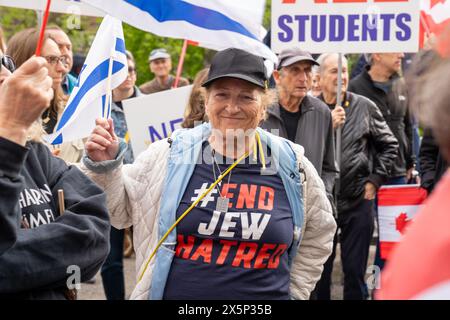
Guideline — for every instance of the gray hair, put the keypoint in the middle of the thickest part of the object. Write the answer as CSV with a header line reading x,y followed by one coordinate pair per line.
x,y
428,79
323,58
368,57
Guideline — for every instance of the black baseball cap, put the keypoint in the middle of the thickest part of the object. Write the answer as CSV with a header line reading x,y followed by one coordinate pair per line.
x,y
292,55
237,63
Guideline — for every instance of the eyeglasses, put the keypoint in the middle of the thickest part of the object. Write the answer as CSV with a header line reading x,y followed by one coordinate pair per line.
x,y
53,60
8,63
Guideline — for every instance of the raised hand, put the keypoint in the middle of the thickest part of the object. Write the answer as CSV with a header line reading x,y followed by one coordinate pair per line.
x,y
24,95
102,144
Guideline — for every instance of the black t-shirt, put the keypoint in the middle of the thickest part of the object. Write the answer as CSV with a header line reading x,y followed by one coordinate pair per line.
x,y
241,254
119,103
290,120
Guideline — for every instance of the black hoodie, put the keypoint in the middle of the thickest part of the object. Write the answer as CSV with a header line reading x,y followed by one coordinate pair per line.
x,y
39,249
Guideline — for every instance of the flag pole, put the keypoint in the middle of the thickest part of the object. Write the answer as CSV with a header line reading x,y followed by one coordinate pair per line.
x,y
180,63
338,103
108,86
424,25
43,25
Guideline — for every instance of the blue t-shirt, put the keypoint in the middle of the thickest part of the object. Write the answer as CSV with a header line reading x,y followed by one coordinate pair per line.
x,y
240,254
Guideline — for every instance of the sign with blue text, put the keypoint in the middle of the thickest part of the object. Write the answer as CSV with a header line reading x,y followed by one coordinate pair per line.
x,y
155,116
348,26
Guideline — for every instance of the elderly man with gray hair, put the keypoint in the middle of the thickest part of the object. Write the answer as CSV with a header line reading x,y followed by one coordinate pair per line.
x,y
368,152
300,117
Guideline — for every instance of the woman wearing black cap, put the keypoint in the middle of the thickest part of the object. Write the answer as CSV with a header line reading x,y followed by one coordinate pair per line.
x,y
224,210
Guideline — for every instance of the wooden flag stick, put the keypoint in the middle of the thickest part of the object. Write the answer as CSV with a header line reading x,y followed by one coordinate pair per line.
x,y
62,206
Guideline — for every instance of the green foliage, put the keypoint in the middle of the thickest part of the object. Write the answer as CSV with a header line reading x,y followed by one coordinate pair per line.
x,y
13,20
82,30
140,43
267,15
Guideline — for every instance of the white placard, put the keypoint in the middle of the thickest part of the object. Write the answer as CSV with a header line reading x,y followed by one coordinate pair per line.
x,y
155,116
347,26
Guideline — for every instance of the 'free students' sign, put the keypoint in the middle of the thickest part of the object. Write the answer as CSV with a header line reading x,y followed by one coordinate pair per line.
x,y
349,26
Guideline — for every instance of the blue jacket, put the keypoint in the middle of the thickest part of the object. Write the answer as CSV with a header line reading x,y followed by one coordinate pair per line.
x,y
185,150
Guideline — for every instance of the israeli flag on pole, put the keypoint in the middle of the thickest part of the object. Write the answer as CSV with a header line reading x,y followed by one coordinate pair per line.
x,y
105,68
215,24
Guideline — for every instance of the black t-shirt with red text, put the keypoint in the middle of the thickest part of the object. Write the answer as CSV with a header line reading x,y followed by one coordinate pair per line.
x,y
240,254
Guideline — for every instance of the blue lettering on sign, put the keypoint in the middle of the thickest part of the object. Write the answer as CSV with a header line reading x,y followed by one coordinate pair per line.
x,y
353,27
386,25
287,35
319,33
338,28
403,26
174,122
369,27
301,26
158,135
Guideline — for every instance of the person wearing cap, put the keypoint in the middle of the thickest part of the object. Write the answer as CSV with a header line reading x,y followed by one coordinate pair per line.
x,y
365,136
250,227
301,118
160,64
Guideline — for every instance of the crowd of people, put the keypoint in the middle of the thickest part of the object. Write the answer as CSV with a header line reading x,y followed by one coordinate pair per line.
x,y
250,196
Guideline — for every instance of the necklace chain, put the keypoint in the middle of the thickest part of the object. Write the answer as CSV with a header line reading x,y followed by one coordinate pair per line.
x,y
213,155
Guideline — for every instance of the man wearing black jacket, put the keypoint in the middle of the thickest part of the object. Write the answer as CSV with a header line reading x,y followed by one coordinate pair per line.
x,y
381,83
41,244
368,152
432,162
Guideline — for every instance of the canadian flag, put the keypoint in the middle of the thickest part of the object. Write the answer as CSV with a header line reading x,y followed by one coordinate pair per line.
x,y
397,206
434,17
419,267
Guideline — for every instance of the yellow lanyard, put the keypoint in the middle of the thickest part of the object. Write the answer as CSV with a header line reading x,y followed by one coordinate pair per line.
x,y
231,167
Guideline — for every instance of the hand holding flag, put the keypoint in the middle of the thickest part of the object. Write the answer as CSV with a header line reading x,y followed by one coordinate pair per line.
x,y
105,69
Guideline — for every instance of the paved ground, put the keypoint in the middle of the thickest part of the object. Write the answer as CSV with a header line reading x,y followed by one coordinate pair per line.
x,y
95,291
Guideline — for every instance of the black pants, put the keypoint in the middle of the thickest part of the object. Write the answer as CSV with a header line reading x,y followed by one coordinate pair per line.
x,y
356,227
112,270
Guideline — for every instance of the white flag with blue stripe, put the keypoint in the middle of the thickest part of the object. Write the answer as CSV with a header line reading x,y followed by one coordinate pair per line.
x,y
214,24
88,100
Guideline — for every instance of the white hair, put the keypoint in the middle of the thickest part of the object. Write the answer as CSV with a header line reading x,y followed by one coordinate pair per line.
x,y
324,57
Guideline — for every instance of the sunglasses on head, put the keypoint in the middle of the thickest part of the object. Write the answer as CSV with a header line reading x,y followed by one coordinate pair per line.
x,y
8,63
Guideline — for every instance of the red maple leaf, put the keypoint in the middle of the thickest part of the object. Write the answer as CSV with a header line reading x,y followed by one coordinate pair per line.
x,y
401,222
435,2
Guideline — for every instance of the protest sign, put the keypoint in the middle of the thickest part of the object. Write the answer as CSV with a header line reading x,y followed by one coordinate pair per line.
x,y
154,117
350,26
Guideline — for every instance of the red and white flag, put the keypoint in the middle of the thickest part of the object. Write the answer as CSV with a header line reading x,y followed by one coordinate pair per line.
x,y
434,17
419,267
397,206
